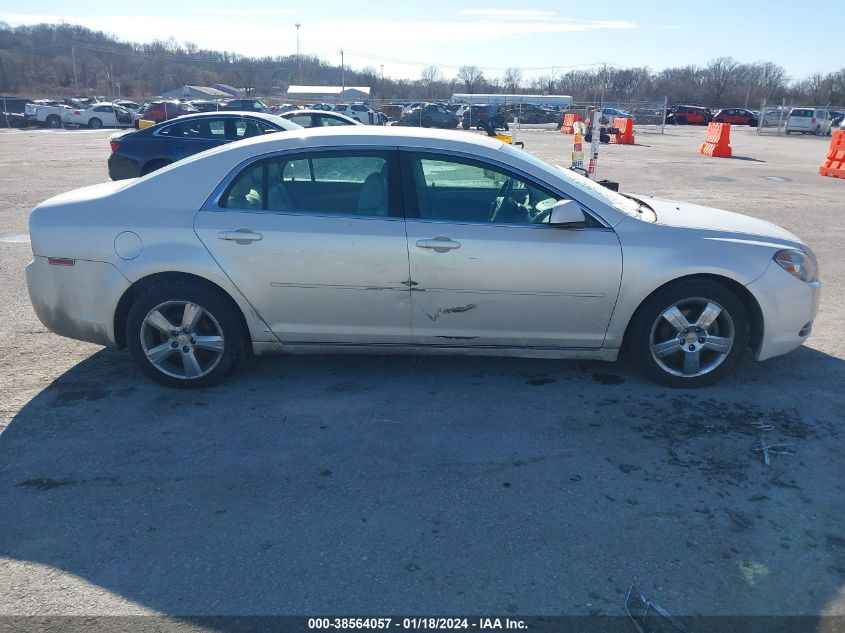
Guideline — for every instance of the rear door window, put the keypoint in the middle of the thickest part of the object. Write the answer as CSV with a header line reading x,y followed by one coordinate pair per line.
x,y
353,182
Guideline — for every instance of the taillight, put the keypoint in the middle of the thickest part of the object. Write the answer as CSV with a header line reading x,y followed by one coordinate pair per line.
x,y
114,146
813,121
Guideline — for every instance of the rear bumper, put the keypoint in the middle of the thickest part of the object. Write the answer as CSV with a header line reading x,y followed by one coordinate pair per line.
x,y
121,167
789,307
76,301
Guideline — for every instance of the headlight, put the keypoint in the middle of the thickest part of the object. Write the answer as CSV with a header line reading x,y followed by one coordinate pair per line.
x,y
801,265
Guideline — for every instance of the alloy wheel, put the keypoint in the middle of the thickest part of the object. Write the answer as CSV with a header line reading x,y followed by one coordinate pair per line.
x,y
692,337
182,339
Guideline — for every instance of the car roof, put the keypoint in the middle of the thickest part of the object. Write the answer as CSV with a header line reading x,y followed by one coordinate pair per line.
x,y
230,114
328,113
389,135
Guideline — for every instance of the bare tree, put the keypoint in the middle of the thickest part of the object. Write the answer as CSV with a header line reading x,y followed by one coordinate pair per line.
x,y
430,76
513,79
719,74
472,76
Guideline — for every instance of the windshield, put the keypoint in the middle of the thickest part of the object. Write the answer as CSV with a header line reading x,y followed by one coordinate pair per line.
x,y
584,184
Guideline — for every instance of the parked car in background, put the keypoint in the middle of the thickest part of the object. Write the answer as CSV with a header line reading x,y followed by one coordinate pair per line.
x,y
246,105
318,106
836,118
144,151
158,111
102,115
203,105
132,106
44,112
304,242
736,116
279,108
530,113
689,115
808,121
318,118
360,112
429,115
608,114
484,117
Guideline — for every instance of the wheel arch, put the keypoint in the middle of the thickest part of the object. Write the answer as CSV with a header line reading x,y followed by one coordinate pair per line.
x,y
124,304
752,307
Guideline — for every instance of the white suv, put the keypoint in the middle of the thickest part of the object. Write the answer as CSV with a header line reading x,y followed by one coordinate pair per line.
x,y
359,112
808,121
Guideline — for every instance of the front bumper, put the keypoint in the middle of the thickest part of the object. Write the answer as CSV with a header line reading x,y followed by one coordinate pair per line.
x,y
76,301
789,307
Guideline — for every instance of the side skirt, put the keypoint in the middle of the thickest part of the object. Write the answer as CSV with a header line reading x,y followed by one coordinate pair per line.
x,y
572,353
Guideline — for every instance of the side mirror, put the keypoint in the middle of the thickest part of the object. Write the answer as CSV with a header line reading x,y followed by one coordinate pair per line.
x,y
566,212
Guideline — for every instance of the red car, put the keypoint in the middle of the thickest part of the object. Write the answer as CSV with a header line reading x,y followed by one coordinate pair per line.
x,y
689,115
159,111
736,116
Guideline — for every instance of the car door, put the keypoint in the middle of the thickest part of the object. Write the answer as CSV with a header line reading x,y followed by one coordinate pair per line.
x,y
316,242
484,273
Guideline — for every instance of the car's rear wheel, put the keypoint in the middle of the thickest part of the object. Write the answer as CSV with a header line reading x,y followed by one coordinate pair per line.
x,y
689,334
153,166
681,120
185,334
54,121
95,123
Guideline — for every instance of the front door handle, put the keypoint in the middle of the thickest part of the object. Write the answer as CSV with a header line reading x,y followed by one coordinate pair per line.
x,y
440,244
241,236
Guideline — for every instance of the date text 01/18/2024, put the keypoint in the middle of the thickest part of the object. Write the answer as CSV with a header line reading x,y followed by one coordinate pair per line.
x,y
421,623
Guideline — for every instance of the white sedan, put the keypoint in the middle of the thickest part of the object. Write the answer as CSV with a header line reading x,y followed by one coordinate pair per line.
x,y
397,240
102,115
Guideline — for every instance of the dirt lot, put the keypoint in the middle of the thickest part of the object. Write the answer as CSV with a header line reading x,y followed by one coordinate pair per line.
x,y
370,485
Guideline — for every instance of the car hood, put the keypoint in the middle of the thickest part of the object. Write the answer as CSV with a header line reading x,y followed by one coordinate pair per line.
x,y
694,216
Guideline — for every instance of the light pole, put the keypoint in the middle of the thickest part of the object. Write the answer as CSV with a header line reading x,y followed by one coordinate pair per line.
x,y
298,57
342,75
382,78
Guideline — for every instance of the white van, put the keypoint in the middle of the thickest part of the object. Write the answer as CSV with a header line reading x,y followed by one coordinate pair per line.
x,y
808,121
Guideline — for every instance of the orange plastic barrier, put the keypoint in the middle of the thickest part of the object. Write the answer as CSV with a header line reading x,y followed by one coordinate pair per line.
x,y
718,141
625,135
568,121
835,164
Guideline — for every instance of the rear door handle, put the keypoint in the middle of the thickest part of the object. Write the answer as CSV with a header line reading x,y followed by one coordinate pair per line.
x,y
440,244
241,236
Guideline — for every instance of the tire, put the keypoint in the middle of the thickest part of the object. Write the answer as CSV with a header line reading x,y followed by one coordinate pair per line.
x,y
426,122
465,125
182,355
817,131
95,123
154,165
753,123
681,120
54,121
673,364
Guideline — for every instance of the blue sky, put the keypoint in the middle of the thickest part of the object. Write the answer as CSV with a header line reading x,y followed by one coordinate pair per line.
x,y
538,36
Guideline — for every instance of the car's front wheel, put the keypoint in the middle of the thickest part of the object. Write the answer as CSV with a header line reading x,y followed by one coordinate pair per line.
x,y
95,123
689,334
185,334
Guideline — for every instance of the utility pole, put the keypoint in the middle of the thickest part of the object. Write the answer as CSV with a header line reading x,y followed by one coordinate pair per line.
x,y
342,74
75,76
298,57
382,79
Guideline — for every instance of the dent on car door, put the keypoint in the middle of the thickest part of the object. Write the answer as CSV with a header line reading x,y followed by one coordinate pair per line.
x,y
316,242
486,267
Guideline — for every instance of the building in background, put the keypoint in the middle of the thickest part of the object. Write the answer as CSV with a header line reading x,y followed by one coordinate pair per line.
x,y
328,93
197,92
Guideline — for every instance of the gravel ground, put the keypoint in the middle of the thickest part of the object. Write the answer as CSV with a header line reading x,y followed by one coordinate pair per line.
x,y
384,485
